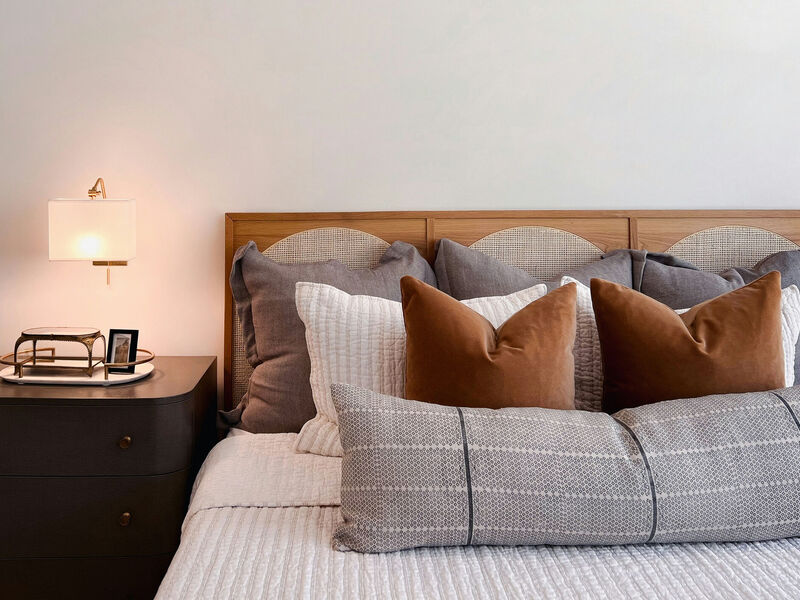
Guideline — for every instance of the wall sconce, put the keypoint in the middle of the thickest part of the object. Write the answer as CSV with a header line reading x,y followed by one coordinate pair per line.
x,y
100,230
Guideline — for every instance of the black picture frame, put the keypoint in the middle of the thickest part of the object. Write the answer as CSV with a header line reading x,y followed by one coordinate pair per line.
x,y
132,336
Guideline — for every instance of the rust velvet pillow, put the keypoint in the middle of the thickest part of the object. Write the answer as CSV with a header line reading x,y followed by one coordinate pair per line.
x,y
729,344
455,357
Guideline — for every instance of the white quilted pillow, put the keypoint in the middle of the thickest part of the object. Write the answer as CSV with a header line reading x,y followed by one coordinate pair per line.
x,y
790,330
361,341
588,360
586,351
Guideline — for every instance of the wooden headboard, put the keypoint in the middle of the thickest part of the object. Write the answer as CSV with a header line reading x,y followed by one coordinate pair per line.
x,y
656,231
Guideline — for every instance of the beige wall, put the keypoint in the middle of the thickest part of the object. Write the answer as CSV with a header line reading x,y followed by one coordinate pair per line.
x,y
198,108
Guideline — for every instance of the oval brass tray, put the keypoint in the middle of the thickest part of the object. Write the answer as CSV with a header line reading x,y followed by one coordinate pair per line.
x,y
41,360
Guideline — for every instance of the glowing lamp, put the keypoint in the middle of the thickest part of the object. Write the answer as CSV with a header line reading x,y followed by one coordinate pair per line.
x,y
102,230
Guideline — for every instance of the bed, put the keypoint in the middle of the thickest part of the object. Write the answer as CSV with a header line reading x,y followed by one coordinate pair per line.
x,y
260,524
260,520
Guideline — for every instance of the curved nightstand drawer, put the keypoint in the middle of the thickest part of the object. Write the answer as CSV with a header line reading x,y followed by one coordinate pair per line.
x,y
91,516
128,578
96,440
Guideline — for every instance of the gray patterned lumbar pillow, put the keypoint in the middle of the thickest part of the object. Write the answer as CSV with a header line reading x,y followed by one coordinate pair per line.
x,y
718,468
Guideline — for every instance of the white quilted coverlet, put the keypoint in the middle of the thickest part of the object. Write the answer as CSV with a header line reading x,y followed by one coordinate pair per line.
x,y
260,524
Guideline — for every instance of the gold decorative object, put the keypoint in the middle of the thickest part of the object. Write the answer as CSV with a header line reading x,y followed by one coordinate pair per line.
x,y
94,192
45,359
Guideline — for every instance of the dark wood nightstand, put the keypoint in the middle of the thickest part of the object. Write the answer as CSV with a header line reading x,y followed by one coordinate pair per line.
x,y
94,481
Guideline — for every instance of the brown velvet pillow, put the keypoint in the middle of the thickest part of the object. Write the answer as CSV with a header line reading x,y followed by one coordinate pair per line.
x,y
455,357
729,344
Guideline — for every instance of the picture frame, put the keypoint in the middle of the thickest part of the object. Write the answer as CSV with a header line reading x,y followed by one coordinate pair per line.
x,y
122,345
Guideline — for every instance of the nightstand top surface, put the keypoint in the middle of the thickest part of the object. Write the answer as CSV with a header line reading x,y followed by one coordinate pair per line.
x,y
174,376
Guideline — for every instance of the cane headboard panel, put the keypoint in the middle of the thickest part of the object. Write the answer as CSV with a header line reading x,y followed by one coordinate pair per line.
x,y
543,252
354,248
544,243
721,247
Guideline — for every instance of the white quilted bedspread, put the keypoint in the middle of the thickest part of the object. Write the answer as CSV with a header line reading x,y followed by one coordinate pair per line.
x,y
260,524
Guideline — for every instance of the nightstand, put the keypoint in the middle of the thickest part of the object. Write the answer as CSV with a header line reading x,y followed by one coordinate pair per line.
x,y
94,481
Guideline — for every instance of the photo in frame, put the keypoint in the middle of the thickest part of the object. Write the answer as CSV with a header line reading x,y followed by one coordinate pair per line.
x,y
122,344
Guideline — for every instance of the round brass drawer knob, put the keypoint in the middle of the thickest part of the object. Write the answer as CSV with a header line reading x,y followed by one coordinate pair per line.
x,y
125,519
125,442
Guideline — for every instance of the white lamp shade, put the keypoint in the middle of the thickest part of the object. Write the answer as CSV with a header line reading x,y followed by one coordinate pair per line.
x,y
89,229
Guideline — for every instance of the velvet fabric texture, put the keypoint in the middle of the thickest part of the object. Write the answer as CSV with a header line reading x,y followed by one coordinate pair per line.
x,y
680,284
729,344
455,357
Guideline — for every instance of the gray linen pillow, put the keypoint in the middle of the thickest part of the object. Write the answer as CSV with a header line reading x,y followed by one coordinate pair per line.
x,y
466,273
278,397
718,468
679,284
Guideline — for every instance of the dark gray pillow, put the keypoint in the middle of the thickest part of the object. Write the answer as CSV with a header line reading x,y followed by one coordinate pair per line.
x,y
718,468
679,284
466,273
278,398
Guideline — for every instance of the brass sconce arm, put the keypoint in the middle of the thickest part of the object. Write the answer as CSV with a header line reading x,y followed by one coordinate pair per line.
x,y
94,192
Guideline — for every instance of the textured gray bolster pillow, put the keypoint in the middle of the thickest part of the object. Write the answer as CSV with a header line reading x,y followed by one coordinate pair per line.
x,y
718,468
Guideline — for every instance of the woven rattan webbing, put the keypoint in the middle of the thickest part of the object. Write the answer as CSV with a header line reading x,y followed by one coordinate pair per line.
x,y
718,248
356,249
543,252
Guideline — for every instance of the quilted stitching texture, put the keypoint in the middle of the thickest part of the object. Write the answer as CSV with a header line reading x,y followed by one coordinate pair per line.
x,y
285,553
361,340
231,551
586,351
790,329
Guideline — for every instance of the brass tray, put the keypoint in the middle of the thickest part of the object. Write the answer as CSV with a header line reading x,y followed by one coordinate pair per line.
x,y
43,360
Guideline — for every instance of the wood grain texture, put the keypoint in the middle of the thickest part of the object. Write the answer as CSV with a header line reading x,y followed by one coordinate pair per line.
x,y
266,232
227,367
605,233
657,234
654,230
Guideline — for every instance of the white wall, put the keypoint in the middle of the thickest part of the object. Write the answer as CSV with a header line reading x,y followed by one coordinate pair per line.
x,y
198,108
